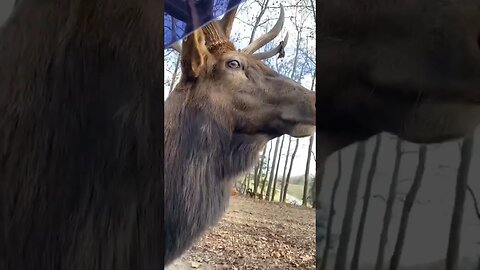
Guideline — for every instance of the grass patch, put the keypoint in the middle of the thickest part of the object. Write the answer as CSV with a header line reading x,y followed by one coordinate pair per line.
x,y
295,190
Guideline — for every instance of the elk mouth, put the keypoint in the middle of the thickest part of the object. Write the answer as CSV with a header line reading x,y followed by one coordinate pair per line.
x,y
428,116
277,128
299,126
302,130
407,93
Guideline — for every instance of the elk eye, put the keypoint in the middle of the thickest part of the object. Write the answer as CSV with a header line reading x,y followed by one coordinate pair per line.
x,y
233,64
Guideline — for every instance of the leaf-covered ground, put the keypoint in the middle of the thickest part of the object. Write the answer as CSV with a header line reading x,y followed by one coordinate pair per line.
x,y
255,234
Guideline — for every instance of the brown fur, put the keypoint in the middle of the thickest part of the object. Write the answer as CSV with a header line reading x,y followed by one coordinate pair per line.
x,y
80,128
406,67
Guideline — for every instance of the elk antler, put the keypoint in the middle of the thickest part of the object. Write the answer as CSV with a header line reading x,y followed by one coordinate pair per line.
x,y
261,41
217,35
280,49
227,21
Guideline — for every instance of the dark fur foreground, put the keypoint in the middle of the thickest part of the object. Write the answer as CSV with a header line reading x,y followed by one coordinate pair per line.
x,y
80,135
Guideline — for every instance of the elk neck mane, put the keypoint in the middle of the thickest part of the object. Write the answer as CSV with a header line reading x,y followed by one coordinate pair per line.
x,y
202,157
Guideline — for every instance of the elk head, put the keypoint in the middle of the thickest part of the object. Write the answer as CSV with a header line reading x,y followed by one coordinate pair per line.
x,y
246,95
405,67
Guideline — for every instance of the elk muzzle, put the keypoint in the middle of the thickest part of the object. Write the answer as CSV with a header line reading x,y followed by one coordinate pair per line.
x,y
302,116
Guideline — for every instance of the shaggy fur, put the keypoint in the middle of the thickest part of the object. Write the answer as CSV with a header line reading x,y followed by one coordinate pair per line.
x,y
202,158
406,67
80,135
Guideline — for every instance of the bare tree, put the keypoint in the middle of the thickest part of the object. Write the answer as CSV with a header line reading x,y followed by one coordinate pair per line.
x,y
290,170
264,182
284,175
458,208
309,155
407,207
331,213
389,207
174,75
317,186
307,172
341,259
366,201
293,73
276,169
274,162
258,174
255,173
475,202
263,8
312,4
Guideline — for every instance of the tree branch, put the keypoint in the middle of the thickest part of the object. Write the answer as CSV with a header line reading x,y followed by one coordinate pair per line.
x,y
475,202
378,196
176,9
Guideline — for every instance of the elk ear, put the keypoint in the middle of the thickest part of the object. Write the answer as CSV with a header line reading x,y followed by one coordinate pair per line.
x,y
194,54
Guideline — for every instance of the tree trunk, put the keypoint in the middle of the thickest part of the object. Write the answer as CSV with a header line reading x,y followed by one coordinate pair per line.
x,y
258,174
290,171
272,174
366,201
310,151
276,170
388,210
243,187
317,205
331,214
294,68
460,193
307,171
341,259
318,185
407,207
268,169
263,8
284,175
255,173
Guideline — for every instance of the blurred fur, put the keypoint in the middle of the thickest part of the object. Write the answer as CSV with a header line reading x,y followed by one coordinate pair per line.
x,y
80,135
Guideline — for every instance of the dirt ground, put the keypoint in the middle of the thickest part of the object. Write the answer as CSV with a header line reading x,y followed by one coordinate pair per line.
x,y
256,234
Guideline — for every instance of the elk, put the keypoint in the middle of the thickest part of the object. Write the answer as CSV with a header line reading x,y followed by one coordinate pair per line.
x,y
404,67
226,107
